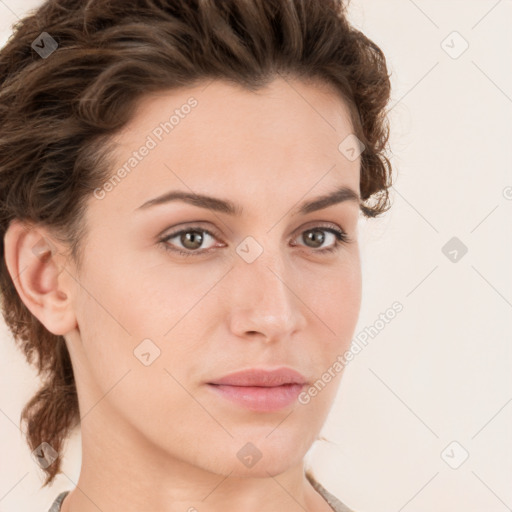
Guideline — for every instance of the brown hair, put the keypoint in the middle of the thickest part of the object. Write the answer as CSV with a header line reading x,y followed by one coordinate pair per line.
x,y
59,111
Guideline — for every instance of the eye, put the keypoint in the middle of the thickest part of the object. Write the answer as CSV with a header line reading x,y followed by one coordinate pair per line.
x,y
316,236
191,239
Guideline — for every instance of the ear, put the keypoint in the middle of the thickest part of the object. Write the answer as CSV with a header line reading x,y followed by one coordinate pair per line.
x,y
38,271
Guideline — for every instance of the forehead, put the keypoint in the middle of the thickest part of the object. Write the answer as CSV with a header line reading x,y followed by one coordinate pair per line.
x,y
278,142
200,115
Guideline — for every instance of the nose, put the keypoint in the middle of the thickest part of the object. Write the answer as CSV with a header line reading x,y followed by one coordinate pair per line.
x,y
265,303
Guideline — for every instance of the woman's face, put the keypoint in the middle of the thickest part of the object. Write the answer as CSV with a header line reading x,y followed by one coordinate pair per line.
x,y
155,328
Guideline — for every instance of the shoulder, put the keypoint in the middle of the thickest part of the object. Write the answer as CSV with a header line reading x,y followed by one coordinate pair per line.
x,y
58,502
334,502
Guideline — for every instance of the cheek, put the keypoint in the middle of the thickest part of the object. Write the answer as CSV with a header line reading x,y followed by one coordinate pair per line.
x,y
142,322
127,364
345,304
337,305
334,294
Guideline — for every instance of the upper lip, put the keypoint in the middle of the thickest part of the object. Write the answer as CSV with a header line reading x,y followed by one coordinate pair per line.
x,y
262,377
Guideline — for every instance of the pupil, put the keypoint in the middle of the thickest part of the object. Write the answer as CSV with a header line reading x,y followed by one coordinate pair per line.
x,y
189,236
316,236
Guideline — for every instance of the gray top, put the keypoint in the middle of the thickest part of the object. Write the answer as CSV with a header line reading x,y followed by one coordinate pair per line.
x,y
334,502
58,502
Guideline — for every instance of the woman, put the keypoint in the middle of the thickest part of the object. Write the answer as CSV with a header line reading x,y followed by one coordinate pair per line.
x,y
181,184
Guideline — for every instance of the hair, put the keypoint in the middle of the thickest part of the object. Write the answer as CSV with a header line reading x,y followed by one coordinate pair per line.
x,y
58,115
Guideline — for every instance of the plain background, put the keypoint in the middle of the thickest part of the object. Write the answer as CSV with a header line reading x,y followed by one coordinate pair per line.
x,y
434,385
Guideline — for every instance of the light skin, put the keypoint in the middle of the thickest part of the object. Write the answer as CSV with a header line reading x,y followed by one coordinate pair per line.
x,y
155,437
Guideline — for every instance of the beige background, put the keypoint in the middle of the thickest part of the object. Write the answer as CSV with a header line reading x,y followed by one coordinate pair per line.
x,y
441,370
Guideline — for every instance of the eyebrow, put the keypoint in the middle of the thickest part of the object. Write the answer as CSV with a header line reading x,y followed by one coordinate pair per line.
x,y
340,195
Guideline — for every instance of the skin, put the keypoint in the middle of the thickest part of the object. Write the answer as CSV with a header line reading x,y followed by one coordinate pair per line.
x,y
155,437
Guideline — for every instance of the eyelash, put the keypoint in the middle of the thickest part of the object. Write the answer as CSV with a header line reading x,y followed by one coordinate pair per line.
x,y
341,238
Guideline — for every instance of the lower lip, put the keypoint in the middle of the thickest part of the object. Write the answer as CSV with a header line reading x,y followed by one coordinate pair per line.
x,y
261,399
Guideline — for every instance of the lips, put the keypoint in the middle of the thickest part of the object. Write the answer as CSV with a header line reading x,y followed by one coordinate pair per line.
x,y
262,378
260,390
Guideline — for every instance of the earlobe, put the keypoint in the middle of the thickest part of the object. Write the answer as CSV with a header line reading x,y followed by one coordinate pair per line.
x,y
36,268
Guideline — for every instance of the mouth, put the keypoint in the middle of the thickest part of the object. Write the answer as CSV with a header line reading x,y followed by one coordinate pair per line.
x,y
261,399
260,390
